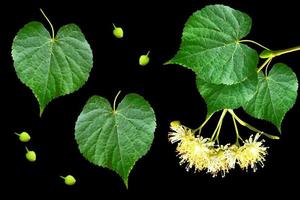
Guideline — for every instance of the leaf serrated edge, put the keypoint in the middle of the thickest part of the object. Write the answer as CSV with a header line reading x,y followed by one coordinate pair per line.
x,y
278,126
154,128
125,180
42,107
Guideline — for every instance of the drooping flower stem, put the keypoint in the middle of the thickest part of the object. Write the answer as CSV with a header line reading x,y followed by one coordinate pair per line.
x,y
215,135
203,124
236,131
243,123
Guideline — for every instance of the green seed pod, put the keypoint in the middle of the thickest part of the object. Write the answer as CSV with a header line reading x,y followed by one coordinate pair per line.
x,y
24,137
69,180
30,155
118,32
266,54
144,59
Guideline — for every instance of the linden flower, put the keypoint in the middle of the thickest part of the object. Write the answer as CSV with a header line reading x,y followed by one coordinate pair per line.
x,y
251,153
202,154
179,132
196,153
193,151
218,161
231,155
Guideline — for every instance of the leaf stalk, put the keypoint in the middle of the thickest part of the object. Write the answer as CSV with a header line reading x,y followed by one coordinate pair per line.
x,y
49,22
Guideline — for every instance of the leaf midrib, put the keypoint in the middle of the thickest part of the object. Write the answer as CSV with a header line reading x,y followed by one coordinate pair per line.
x,y
269,92
48,72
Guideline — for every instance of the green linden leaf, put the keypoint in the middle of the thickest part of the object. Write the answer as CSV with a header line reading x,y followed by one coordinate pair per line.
x,y
51,67
115,139
222,96
276,95
210,45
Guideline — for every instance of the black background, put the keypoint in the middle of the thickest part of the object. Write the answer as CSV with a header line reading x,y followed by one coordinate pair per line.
x,y
148,25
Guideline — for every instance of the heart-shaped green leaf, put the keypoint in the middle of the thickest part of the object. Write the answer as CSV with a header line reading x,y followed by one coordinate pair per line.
x,y
51,67
222,96
275,96
115,139
210,45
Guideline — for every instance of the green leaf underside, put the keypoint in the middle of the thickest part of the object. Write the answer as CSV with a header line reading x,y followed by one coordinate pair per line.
x,y
51,68
276,95
115,140
210,45
222,96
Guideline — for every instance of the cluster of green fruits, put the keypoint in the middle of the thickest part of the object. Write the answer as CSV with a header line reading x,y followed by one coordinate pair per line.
x,y
119,33
31,156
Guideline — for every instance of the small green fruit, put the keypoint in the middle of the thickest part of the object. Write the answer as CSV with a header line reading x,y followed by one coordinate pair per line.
x,y
118,32
24,137
144,59
69,180
30,155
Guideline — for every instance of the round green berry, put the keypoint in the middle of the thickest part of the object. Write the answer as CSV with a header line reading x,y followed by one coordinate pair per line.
x,y
69,180
24,137
144,59
31,156
118,32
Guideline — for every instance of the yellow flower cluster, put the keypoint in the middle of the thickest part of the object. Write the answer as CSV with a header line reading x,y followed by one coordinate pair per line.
x,y
202,154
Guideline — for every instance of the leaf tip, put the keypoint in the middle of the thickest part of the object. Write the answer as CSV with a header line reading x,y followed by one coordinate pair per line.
x,y
168,62
279,128
41,111
126,183
278,125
